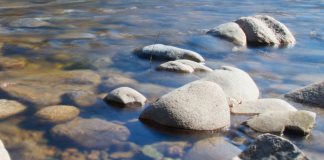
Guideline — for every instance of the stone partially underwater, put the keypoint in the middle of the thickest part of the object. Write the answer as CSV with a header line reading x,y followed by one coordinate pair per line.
x,y
259,30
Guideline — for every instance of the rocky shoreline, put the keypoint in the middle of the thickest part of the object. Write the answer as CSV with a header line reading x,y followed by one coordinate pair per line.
x,y
206,104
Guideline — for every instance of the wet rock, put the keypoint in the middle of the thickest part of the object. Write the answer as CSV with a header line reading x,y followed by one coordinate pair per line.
x,y
183,66
29,23
75,35
312,94
10,108
166,149
211,149
126,96
57,114
160,51
198,67
298,122
81,98
90,133
237,84
125,150
12,63
230,31
199,105
45,89
175,66
3,152
257,32
268,146
281,32
261,106
265,30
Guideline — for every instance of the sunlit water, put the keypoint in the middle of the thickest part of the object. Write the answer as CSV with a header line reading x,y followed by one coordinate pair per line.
x,y
101,35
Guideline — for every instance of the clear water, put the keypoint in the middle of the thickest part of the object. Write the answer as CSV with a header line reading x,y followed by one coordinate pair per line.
x,y
121,26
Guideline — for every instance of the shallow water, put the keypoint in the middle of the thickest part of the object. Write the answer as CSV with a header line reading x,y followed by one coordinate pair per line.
x,y
101,35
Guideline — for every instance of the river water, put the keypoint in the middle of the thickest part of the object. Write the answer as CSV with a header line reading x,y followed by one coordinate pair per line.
x,y
100,35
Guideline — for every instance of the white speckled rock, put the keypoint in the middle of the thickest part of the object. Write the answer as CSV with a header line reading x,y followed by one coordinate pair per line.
x,y
199,105
175,66
261,106
230,31
126,96
268,146
4,155
9,108
301,122
281,32
312,94
57,114
198,67
257,32
160,51
237,84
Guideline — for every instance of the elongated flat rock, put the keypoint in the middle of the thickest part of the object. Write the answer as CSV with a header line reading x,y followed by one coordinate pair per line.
x,y
165,52
199,105
300,122
57,114
262,106
10,108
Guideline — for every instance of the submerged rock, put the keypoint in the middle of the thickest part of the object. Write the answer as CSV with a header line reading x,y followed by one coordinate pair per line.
x,y
12,63
183,66
46,89
237,84
126,96
265,30
29,23
230,31
299,122
160,51
211,149
75,35
166,149
57,114
10,108
3,152
268,146
90,133
312,94
199,105
261,106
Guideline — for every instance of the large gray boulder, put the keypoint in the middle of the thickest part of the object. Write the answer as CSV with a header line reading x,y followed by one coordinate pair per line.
x,y
268,146
237,84
57,114
160,51
10,108
312,94
300,122
4,155
90,133
261,106
265,30
126,96
199,105
230,31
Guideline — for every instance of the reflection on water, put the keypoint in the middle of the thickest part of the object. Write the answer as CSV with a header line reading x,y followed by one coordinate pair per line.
x,y
39,37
